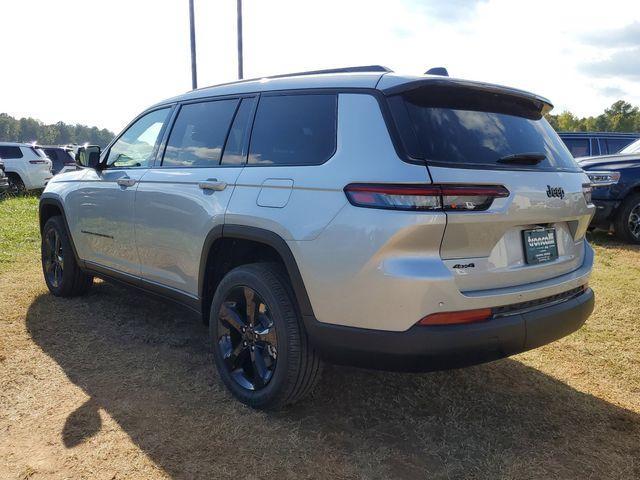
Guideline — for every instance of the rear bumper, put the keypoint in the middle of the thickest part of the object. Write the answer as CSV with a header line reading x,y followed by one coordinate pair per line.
x,y
442,347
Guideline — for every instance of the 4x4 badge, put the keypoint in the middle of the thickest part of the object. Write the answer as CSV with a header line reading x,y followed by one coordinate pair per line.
x,y
555,191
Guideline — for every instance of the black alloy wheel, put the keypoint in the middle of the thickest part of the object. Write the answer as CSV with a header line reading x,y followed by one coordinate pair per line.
x,y
247,338
53,258
633,222
259,341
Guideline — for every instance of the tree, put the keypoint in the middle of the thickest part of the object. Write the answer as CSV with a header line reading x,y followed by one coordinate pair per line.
x,y
60,133
621,116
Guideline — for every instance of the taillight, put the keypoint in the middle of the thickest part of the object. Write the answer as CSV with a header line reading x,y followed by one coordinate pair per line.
x,y
424,197
456,318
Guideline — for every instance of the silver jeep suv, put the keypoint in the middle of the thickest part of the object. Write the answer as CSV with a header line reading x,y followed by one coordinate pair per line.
x,y
353,216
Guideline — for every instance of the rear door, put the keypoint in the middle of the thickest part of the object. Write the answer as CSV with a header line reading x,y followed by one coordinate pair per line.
x,y
470,137
185,195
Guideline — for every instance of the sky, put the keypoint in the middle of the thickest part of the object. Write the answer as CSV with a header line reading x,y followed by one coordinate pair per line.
x,y
100,63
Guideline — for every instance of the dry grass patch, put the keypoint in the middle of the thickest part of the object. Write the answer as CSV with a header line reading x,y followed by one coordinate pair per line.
x,y
119,385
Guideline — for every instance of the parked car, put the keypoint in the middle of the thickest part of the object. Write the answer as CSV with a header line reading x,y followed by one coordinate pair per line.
x,y
4,181
62,158
26,166
616,191
585,144
353,216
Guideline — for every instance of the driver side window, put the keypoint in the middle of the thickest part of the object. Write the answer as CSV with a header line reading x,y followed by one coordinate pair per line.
x,y
136,146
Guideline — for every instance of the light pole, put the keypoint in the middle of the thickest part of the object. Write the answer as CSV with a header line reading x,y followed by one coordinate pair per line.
x,y
194,73
240,39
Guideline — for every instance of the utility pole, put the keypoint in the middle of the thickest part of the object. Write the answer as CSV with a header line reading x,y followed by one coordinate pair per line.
x,y
194,73
240,75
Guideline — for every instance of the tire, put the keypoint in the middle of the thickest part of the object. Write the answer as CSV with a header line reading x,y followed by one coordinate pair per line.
x,y
59,266
16,185
627,218
292,369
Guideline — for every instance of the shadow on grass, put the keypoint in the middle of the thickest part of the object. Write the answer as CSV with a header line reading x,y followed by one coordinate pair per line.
x,y
606,239
147,364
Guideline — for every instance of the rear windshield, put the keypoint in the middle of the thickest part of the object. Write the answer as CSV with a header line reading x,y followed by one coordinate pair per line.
x,y
476,131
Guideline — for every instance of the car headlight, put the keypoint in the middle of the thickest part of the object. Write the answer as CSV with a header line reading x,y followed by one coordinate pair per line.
x,y
602,178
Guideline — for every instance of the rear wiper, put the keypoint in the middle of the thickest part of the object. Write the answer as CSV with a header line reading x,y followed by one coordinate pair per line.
x,y
523,158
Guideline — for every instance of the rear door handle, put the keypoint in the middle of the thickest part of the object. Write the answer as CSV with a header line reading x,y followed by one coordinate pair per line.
x,y
212,184
126,182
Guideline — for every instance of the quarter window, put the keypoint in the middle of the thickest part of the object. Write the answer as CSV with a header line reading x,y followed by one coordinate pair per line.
x,y
294,130
199,134
136,146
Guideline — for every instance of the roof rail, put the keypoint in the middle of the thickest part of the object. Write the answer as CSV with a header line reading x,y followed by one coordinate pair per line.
x,y
363,68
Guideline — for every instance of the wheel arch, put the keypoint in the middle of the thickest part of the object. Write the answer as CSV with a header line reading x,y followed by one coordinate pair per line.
x,y
52,206
269,245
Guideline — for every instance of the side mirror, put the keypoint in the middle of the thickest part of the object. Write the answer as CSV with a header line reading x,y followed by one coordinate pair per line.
x,y
88,156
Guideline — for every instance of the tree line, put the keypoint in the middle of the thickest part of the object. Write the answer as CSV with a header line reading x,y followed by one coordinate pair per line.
x,y
60,133
619,117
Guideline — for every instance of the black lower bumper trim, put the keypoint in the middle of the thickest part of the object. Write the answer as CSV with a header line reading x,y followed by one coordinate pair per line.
x,y
427,348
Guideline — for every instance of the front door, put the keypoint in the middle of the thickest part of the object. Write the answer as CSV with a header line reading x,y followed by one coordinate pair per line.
x,y
186,194
103,205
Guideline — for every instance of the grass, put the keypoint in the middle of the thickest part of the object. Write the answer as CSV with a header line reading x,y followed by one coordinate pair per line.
x,y
118,385
19,233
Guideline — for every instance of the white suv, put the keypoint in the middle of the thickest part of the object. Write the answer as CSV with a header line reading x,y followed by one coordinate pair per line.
x,y
354,216
26,166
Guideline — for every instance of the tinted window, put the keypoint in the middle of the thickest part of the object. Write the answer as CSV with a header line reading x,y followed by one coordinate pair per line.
x,y
294,130
198,135
579,147
472,128
136,145
10,152
614,145
235,150
55,157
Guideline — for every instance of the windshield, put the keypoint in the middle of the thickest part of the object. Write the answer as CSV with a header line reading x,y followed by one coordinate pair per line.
x,y
473,131
631,148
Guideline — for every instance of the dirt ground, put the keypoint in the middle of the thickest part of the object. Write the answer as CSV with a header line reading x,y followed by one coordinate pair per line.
x,y
119,385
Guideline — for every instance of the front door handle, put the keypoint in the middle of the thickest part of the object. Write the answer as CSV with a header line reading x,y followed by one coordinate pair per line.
x,y
212,184
126,182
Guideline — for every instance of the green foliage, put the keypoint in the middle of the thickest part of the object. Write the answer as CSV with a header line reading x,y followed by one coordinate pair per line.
x,y
30,129
619,117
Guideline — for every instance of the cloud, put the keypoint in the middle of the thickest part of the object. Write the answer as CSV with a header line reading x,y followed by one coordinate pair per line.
x,y
627,36
621,64
612,91
450,10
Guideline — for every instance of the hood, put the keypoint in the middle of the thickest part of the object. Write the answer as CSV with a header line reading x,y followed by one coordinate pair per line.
x,y
609,162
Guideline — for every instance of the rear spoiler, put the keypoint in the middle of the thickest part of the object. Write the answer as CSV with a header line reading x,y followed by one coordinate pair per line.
x,y
452,85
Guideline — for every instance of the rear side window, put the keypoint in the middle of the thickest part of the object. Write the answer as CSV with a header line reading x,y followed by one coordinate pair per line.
x,y
199,133
614,145
9,152
579,147
473,129
294,130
